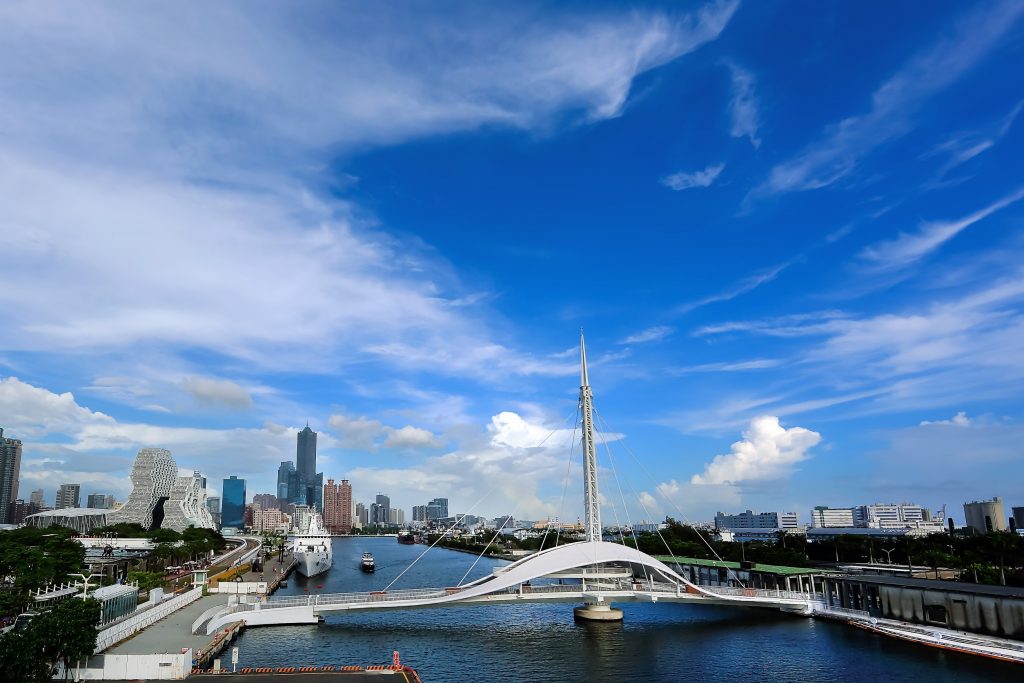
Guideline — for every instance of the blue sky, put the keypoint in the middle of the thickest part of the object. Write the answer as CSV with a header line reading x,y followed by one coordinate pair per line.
x,y
791,232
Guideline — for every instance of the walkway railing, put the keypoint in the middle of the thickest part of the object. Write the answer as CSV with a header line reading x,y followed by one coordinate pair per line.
x,y
426,594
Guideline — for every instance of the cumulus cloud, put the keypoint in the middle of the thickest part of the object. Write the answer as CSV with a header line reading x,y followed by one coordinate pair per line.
x,y
366,434
684,181
217,392
958,420
767,451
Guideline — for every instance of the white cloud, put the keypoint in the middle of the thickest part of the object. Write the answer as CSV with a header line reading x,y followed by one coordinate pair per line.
x,y
217,392
737,366
958,420
909,248
33,411
966,145
651,334
362,433
836,154
411,437
747,284
685,181
768,451
743,106
179,209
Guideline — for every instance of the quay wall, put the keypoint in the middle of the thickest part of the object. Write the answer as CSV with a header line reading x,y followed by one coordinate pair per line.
x,y
161,667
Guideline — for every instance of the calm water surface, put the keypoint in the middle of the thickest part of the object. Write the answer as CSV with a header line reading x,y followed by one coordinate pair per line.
x,y
543,643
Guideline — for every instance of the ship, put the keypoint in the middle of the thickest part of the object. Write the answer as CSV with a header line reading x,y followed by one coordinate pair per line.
x,y
406,537
312,548
367,564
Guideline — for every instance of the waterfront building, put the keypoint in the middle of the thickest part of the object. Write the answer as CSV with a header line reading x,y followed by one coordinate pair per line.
x,y
270,520
823,517
985,515
287,482
891,516
267,501
300,518
759,520
419,513
10,471
153,474
363,515
68,496
338,507
436,509
37,498
232,507
186,505
396,517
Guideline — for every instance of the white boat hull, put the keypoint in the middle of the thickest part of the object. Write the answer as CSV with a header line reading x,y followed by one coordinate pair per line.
x,y
313,563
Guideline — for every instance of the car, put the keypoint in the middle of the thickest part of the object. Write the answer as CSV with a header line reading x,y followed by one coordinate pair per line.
x,y
21,623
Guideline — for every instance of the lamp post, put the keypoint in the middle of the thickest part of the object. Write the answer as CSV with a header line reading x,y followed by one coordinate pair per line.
x,y
888,554
85,582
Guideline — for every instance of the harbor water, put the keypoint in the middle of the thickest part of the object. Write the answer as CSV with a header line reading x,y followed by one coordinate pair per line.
x,y
535,642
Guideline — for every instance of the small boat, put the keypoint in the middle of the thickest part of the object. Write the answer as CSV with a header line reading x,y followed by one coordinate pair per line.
x,y
406,537
367,563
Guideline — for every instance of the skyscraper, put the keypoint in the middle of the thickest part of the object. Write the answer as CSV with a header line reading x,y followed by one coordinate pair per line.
x,y
98,501
68,496
305,454
287,483
10,470
232,511
338,507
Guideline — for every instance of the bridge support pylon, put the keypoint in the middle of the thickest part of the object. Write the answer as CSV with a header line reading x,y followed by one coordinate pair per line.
x,y
597,611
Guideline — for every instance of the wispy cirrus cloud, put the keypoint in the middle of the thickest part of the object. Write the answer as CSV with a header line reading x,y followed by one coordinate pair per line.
x,y
743,105
963,146
651,334
747,284
908,248
893,105
685,181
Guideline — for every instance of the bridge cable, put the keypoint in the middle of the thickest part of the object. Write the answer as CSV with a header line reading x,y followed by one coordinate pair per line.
x,y
730,570
622,498
565,485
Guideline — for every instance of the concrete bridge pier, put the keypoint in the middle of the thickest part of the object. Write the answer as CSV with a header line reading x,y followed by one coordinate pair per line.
x,y
597,611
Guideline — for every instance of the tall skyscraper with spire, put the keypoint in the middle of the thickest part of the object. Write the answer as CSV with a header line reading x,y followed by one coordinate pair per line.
x,y
305,485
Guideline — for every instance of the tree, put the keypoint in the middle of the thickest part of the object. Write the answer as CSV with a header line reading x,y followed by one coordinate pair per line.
x,y
68,632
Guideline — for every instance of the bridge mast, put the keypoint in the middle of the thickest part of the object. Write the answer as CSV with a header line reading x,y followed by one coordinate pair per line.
x,y
591,501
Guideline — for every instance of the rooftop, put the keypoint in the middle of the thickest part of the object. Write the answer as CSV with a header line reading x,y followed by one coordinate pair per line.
x,y
757,567
938,585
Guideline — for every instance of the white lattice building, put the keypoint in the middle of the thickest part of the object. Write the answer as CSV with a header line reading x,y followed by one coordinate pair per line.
x,y
186,505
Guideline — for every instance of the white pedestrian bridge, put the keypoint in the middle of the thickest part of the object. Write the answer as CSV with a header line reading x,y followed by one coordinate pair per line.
x,y
602,573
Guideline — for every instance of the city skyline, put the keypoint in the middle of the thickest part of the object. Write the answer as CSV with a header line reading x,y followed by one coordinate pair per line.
x,y
796,254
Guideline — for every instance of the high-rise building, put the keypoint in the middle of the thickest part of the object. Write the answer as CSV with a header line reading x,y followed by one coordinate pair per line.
x,y
419,513
36,497
232,511
441,506
268,501
10,471
338,507
985,515
287,482
99,501
269,520
759,520
362,514
68,496
1018,517
305,453
396,517
153,474
19,510
823,516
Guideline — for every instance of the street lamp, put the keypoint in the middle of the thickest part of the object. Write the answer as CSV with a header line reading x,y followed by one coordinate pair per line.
x,y
85,582
888,554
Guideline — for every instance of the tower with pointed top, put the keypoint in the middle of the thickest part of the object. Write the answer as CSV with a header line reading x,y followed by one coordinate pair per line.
x,y
591,500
